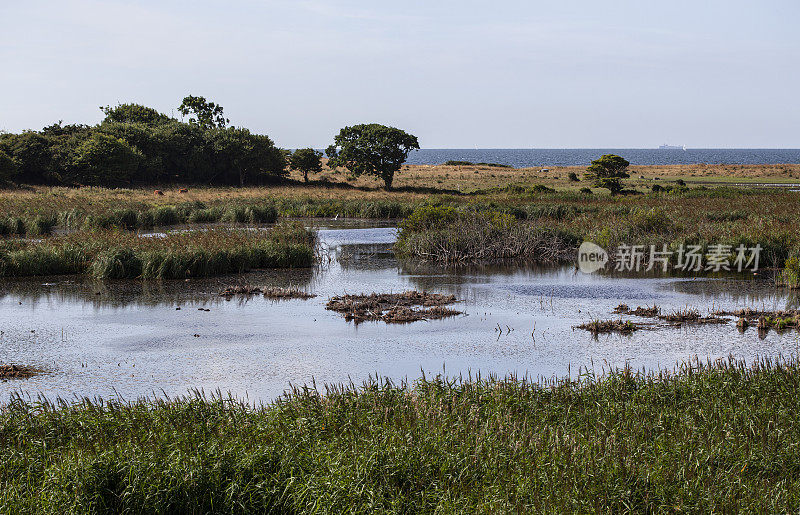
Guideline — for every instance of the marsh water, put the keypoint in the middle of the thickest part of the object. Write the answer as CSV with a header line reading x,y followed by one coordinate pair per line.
x,y
129,339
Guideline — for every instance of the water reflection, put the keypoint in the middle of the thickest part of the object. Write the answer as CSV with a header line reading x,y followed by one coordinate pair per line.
x,y
98,338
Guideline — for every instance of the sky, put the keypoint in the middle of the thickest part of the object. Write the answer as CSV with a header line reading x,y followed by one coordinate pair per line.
x,y
457,74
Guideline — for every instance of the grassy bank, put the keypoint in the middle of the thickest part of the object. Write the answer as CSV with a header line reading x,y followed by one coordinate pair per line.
x,y
119,254
704,217
717,438
38,211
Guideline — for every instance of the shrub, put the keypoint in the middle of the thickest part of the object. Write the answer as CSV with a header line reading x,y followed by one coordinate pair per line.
x,y
791,272
103,160
573,177
8,168
429,216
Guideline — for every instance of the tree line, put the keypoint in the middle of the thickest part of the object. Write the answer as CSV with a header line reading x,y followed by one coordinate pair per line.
x,y
135,144
138,144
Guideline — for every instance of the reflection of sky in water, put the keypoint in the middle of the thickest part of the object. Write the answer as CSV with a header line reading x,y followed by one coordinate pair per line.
x,y
99,338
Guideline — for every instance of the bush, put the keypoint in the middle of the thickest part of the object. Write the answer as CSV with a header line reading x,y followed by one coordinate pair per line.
x,y
791,272
103,160
573,177
8,168
426,217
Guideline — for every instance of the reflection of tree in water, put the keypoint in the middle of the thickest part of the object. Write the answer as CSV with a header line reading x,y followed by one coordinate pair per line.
x,y
125,293
460,280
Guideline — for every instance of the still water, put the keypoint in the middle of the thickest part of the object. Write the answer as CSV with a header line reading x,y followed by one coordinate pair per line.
x,y
128,339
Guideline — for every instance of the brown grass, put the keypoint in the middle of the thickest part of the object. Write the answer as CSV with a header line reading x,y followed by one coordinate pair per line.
x,y
11,371
410,306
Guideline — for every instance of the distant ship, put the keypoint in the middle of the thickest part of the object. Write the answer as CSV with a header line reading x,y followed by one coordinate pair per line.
x,y
671,147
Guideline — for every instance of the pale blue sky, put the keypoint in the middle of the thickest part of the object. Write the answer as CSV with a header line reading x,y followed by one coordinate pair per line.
x,y
500,74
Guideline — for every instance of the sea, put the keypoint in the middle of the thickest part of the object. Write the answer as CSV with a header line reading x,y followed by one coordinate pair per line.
x,y
528,157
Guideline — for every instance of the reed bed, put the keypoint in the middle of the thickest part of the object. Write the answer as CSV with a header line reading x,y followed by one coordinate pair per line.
x,y
41,211
449,236
116,254
709,437
552,227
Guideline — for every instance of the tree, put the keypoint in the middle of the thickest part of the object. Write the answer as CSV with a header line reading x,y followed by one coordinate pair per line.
x,y
133,113
243,157
103,160
608,172
306,160
207,115
8,169
33,154
371,149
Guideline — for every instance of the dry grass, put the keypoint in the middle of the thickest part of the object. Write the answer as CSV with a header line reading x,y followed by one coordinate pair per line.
x,y
610,326
410,306
12,371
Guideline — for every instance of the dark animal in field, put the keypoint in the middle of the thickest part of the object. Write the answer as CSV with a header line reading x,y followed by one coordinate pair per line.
x,y
158,192
183,190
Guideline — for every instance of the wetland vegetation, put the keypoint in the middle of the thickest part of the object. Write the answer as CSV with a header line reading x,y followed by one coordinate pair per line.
x,y
114,254
711,437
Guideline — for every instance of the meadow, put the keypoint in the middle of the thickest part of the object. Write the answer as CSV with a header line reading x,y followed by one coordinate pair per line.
x,y
710,437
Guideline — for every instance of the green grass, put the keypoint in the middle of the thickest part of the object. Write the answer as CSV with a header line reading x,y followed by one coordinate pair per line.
x,y
710,438
118,254
39,215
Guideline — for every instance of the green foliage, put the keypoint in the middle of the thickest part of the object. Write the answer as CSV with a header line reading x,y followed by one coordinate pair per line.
x,y
573,177
103,159
458,163
716,438
245,158
607,172
133,113
33,155
306,160
791,272
371,149
8,168
427,217
118,255
206,114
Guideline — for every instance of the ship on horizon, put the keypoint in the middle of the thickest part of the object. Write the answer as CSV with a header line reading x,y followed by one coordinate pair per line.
x,y
671,147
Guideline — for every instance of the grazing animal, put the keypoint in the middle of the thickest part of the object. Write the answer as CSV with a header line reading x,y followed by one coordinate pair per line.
x,y
158,192
183,190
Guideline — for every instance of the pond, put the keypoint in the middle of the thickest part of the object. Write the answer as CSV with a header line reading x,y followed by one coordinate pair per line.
x,y
129,339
